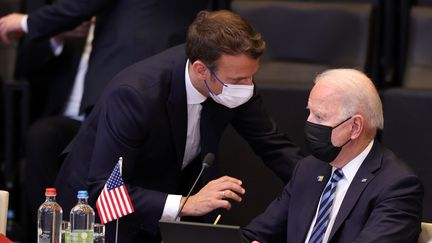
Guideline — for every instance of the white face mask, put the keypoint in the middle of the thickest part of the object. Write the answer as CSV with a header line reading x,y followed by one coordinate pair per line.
x,y
233,95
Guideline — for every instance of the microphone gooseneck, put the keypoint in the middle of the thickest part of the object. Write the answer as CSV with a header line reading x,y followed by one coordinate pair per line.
x,y
207,162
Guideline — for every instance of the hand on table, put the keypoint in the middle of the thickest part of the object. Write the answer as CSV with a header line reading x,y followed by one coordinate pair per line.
x,y
212,196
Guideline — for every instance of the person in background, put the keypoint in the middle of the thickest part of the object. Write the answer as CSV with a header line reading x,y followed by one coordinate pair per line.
x,y
126,31
351,188
163,115
51,74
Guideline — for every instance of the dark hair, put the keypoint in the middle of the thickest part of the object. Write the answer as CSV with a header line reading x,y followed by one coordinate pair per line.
x,y
221,32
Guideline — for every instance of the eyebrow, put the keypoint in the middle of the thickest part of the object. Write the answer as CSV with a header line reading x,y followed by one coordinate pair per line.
x,y
317,113
241,78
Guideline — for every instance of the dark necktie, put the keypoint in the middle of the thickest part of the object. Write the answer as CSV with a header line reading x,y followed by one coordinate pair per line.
x,y
325,208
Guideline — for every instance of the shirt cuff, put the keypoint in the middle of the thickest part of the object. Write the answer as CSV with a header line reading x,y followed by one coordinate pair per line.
x,y
24,25
56,47
172,205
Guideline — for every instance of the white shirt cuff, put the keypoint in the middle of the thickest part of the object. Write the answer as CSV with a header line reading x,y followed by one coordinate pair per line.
x,y
172,205
56,47
24,25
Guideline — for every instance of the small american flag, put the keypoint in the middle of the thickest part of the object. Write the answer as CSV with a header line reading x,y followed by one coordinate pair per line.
x,y
114,201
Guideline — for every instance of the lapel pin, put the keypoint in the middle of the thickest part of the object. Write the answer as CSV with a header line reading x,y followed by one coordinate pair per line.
x,y
320,178
364,180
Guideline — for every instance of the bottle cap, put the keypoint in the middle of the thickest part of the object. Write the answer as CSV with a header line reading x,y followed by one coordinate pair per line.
x,y
82,194
50,192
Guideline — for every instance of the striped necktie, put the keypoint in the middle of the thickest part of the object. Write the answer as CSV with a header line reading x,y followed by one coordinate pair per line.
x,y
325,208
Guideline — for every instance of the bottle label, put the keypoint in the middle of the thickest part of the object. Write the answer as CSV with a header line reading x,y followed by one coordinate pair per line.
x,y
66,236
44,234
82,236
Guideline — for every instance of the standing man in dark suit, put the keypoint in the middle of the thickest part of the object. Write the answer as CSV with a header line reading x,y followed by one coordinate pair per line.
x,y
163,115
126,31
372,196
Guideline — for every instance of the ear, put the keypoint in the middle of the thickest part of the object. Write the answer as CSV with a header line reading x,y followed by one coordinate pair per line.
x,y
200,69
357,126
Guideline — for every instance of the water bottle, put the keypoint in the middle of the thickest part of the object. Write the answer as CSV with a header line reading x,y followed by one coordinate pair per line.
x,y
50,216
82,218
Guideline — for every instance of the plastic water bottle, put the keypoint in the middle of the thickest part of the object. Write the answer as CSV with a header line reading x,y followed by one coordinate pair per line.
x,y
82,218
50,216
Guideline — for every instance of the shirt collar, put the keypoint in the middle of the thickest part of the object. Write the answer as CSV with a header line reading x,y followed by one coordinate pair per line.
x,y
352,167
193,96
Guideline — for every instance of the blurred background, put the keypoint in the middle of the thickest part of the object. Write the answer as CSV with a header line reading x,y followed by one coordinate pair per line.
x,y
390,40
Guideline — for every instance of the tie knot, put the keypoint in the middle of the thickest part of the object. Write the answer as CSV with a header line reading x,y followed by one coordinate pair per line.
x,y
337,175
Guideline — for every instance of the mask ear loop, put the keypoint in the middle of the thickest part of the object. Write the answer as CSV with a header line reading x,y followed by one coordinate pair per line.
x,y
213,74
342,122
349,140
208,88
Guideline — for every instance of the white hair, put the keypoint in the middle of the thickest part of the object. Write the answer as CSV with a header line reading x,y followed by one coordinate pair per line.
x,y
358,93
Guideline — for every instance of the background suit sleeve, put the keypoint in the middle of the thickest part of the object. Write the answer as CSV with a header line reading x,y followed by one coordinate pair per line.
x,y
62,16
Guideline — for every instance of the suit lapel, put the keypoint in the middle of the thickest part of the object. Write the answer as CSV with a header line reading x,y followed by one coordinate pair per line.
x,y
308,204
363,177
177,108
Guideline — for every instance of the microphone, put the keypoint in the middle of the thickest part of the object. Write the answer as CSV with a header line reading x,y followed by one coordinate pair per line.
x,y
207,162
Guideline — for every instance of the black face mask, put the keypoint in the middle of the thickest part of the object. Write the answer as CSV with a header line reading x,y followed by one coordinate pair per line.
x,y
318,141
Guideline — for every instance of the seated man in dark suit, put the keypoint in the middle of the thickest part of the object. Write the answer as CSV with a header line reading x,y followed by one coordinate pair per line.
x,y
351,189
163,115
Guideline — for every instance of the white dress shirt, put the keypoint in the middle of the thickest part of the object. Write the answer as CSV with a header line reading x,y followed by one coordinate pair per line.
x,y
194,99
349,171
73,104
23,23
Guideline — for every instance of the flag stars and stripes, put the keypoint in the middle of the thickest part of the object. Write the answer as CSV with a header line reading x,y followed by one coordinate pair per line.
x,y
114,201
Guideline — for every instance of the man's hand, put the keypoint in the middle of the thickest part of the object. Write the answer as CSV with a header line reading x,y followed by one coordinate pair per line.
x,y
212,196
11,23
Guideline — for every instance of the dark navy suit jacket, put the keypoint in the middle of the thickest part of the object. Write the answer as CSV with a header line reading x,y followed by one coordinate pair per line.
x,y
126,32
142,117
51,77
382,204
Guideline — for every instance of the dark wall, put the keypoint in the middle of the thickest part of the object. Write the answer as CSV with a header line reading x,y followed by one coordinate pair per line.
x,y
7,65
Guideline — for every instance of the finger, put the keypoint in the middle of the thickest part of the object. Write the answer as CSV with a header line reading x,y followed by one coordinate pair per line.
x,y
226,183
232,187
5,37
231,195
221,204
229,179
225,179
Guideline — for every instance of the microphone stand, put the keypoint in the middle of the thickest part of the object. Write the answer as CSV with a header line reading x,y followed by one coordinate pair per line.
x,y
207,162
